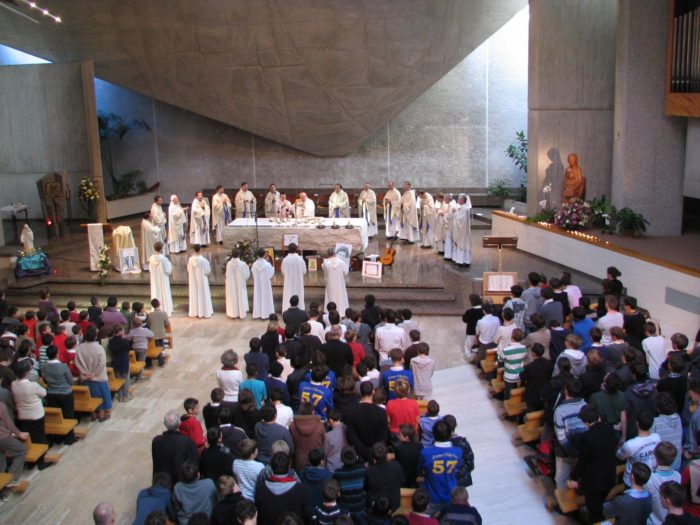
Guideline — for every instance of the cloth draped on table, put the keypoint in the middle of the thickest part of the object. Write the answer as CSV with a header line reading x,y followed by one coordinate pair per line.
x,y
96,240
122,237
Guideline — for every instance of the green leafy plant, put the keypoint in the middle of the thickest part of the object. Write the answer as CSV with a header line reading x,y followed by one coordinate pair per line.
x,y
602,211
517,152
628,222
111,126
545,215
499,188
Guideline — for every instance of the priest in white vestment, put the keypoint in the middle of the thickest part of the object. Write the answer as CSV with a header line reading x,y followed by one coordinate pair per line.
x,y
271,200
338,203
392,211
263,271
293,270
367,209
198,270
237,273
284,209
161,268
452,208
461,232
427,219
220,213
409,215
177,226
199,221
304,207
441,209
245,202
159,218
150,234
335,271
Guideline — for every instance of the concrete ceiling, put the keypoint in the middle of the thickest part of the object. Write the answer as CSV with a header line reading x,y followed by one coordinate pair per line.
x,y
318,75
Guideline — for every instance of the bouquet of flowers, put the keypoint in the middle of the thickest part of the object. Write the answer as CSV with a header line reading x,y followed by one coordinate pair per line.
x,y
88,196
104,263
573,215
247,251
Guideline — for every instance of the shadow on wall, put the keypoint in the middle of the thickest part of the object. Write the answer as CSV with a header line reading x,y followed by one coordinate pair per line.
x,y
554,175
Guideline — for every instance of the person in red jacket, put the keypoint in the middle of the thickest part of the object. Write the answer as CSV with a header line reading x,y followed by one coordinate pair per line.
x,y
190,425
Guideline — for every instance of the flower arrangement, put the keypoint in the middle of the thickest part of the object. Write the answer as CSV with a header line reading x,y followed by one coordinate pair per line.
x,y
88,196
247,251
104,263
28,253
572,215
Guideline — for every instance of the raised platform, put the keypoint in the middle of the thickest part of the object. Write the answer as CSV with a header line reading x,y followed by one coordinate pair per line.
x,y
669,290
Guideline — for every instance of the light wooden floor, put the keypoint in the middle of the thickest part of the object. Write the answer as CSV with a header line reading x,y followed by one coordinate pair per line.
x,y
113,463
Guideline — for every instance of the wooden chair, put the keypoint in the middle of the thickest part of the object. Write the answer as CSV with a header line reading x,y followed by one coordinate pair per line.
x,y
83,401
115,384
35,451
153,351
322,205
569,500
515,405
55,424
169,340
5,479
422,405
489,364
531,429
497,383
405,506
135,367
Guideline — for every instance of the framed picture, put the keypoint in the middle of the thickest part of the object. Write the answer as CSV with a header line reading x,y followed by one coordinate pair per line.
x,y
271,253
343,251
371,269
313,264
129,260
290,238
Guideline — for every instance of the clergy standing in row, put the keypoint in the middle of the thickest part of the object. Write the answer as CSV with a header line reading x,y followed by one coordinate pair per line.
x,y
198,270
150,234
461,232
271,200
199,222
284,209
409,215
338,203
221,213
159,218
304,207
245,202
392,211
335,270
263,271
452,208
177,226
427,219
161,268
367,209
293,270
441,209
237,273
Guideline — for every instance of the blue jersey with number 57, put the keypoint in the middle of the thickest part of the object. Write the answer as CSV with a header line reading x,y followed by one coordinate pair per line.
x,y
439,464
318,395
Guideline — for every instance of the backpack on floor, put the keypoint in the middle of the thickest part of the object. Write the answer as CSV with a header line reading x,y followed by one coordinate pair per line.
x,y
545,457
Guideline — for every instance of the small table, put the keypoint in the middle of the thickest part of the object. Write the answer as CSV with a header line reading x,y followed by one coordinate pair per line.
x,y
13,210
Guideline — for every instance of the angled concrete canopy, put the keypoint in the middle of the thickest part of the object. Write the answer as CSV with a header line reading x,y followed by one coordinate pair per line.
x,y
318,75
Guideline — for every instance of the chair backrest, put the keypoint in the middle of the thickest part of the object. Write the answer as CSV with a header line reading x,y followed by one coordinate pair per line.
x,y
323,199
110,374
151,344
422,405
53,415
81,393
132,356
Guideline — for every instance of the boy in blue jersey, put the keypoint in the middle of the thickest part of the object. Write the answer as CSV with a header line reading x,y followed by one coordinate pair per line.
x,y
254,385
389,377
440,464
320,397
319,358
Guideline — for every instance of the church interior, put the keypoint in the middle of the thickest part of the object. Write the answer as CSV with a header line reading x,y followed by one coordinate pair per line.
x,y
450,156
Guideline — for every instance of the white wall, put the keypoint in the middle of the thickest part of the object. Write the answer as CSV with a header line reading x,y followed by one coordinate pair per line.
x,y
691,180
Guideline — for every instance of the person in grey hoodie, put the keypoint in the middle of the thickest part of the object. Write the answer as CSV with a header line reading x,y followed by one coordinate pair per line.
x,y
532,298
668,425
193,495
573,354
268,431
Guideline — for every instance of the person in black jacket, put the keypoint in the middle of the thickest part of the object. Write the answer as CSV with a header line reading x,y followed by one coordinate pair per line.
x,y
225,510
171,449
366,423
338,353
216,459
278,490
371,313
535,376
471,317
641,396
407,453
294,316
384,478
594,472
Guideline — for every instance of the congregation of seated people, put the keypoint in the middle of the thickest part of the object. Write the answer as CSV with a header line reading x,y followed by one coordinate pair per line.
x,y
606,391
312,424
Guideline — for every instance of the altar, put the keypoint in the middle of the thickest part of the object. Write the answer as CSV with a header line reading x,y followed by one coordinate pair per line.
x,y
317,234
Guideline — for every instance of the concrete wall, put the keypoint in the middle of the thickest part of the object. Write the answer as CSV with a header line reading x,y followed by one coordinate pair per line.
x,y
452,136
570,94
43,130
691,181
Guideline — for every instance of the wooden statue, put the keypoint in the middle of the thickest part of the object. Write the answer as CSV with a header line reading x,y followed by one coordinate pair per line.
x,y
574,181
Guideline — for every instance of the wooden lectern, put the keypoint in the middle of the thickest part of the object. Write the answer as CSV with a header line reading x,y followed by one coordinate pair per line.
x,y
500,242
497,284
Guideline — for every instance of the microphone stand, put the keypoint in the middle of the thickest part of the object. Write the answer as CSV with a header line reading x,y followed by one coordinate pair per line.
x,y
255,215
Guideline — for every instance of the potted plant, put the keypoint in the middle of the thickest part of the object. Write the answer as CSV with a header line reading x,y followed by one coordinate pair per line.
x,y
517,152
628,222
573,215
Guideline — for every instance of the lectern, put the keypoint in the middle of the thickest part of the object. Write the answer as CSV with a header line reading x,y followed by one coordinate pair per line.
x,y
497,284
500,242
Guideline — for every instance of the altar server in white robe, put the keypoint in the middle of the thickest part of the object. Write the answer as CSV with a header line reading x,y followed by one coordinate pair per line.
x,y
271,200
392,211
161,268
198,270
150,234
441,209
245,202
199,222
427,219
263,271
409,215
221,213
293,270
284,209
237,273
338,203
159,218
177,226
335,271
304,207
461,232
452,208
367,209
